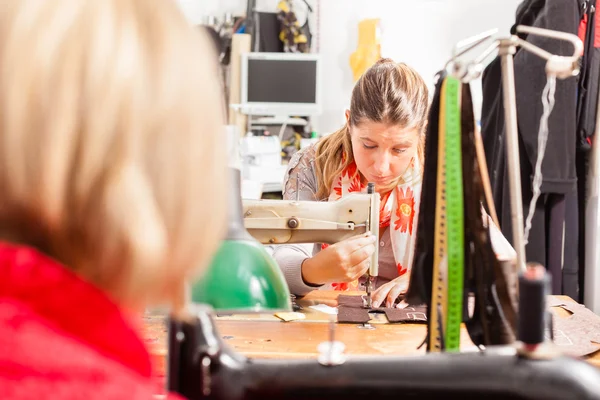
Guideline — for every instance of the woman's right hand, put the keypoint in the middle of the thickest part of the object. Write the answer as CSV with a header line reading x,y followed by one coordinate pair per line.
x,y
345,261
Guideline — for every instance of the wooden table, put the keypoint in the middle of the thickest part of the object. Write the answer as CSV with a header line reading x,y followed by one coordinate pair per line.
x,y
265,336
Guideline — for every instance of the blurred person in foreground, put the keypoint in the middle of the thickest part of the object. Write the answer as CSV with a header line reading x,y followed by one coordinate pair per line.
x,y
108,111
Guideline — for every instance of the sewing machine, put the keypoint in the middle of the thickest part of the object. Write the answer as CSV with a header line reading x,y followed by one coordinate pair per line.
x,y
203,366
293,221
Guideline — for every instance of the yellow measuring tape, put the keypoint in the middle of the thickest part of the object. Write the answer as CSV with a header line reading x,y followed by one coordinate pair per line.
x,y
438,289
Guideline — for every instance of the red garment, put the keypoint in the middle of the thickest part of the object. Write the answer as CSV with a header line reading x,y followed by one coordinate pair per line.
x,y
63,338
583,28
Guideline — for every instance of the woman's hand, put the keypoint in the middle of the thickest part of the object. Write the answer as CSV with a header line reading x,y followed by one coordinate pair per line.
x,y
344,261
389,292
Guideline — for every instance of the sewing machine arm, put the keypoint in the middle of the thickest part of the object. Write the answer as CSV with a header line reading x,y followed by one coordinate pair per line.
x,y
201,366
287,221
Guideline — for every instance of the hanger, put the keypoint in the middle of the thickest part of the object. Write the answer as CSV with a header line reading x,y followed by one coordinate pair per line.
x,y
307,5
560,66
461,70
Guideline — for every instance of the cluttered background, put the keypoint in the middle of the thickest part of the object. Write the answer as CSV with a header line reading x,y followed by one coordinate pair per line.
x,y
313,52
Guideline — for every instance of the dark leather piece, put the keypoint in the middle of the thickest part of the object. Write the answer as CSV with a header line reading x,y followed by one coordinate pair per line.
x,y
415,315
351,310
350,301
353,315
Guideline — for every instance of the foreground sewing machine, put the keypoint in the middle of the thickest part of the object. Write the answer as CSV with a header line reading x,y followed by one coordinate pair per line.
x,y
202,366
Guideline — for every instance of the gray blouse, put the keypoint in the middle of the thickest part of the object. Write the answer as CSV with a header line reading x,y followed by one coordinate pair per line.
x,y
300,183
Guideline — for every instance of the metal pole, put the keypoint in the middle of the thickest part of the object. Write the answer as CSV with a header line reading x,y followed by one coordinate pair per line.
x,y
250,5
507,49
592,224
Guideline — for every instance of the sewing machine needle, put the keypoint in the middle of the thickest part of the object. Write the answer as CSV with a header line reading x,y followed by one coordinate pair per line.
x,y
372,220
369,287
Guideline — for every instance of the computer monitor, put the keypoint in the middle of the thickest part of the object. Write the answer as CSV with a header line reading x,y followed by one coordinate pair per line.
x,y
280,84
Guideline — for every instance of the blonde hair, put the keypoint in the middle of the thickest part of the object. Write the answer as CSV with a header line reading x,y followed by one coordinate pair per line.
x,y
388,92
112,158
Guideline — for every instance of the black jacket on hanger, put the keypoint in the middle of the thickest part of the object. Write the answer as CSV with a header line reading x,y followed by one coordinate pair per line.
x,y
558,168
588,78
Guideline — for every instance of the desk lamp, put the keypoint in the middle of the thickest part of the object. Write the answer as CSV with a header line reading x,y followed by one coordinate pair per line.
x,y
242,276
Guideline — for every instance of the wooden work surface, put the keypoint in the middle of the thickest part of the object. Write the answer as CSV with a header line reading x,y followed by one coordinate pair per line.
x,y
265,336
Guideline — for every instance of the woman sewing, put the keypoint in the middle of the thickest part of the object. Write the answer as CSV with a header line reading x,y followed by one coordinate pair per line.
x,y
382,142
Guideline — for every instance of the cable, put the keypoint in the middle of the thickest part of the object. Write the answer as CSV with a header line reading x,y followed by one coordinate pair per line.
x,y
281,131
548,103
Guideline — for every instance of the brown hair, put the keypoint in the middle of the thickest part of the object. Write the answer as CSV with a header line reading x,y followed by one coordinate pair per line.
x,y
111,131
388,92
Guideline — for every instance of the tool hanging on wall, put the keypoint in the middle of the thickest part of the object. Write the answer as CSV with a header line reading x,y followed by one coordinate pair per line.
x,y
292,34
305,28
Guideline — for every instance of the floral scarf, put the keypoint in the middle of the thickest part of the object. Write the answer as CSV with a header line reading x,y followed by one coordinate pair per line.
x,y
399,209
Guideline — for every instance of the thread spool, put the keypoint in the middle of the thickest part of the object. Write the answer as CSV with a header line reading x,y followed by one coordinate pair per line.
x,y
534,287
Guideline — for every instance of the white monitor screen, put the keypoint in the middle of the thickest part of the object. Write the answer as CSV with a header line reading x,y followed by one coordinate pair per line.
x,y
280,83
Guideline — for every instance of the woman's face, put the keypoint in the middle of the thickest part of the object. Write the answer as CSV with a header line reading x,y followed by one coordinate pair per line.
x,y
383,152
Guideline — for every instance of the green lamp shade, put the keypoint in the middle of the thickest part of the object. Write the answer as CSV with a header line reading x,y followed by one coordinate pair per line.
x,y
243,277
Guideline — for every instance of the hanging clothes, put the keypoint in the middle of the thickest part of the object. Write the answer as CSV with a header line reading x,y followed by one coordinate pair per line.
x,y
487,256
558,168
589,33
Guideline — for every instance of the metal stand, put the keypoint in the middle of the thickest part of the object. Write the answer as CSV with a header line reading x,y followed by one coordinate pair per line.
x,y
592,220
507,49
559,66
250,5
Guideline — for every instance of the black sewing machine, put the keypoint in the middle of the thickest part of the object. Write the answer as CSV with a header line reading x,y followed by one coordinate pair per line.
x,y
202,366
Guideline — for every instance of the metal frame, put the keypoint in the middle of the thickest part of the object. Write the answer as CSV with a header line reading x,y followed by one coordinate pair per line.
x,y
592,220
560,66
